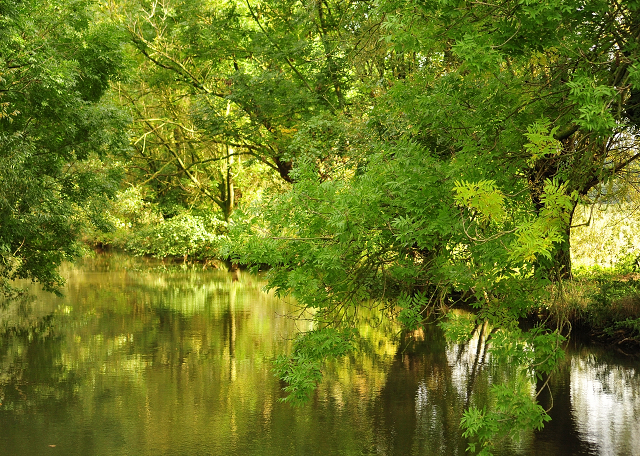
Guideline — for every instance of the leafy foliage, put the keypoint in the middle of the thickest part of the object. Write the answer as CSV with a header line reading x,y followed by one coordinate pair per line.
x,y
458,328
488,124
411,308
532,355
482,198
429,152
302,371
57,140
512,413
185,235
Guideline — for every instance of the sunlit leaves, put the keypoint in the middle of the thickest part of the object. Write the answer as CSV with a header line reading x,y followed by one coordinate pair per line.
x,y
539,236
184,235
541,141
593,101
467,134
458,327
482,197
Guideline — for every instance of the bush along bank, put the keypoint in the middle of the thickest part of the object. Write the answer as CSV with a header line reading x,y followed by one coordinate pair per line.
x,y
184,238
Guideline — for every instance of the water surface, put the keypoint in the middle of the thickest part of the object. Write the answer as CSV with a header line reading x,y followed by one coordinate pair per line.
x,y
133,362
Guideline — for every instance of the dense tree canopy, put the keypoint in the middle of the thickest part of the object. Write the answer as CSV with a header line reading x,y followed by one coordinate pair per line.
x,y
219,84
478,148
56,62
470,159
429,152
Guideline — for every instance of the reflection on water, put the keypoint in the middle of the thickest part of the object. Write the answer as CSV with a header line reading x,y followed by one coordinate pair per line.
x,y
605,400
158,363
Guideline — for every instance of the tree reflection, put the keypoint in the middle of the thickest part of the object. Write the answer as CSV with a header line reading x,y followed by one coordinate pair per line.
x,y
30,353
144,363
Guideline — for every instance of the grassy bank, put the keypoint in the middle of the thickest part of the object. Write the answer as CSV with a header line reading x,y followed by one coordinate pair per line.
x,y
603,306
602,300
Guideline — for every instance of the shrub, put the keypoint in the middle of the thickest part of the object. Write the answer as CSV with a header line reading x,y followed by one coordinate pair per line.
x,y
185,235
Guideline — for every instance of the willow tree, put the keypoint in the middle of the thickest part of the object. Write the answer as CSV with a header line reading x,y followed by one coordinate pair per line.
x,y
477,154
546,92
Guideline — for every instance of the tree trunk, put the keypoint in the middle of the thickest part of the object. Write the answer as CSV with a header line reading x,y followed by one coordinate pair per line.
x,y
562,259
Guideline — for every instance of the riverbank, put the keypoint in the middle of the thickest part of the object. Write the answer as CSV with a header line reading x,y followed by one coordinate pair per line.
x,y
602,306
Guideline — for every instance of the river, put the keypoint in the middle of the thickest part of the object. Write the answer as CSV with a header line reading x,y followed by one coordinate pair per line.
x,y
132,361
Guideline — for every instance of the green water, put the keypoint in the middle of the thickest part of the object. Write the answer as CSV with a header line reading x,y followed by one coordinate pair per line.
x,y
132,362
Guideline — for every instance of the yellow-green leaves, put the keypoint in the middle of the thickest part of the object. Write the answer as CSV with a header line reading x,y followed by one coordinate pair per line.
x,y
482,198
537,237
593,101
458,327
541,141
